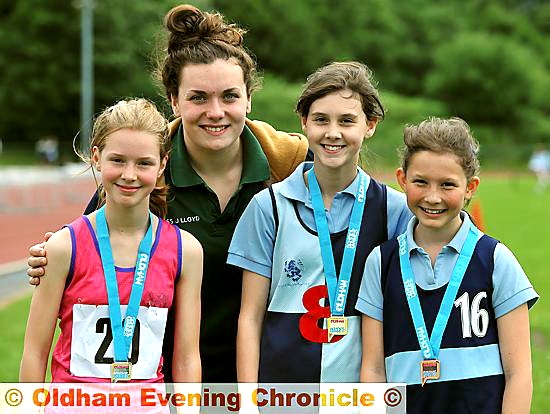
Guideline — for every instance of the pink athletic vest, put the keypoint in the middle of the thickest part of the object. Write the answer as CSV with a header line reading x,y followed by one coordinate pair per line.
x,y
86,285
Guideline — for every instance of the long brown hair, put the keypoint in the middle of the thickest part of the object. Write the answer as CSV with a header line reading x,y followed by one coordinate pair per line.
x,y
337,76
197,37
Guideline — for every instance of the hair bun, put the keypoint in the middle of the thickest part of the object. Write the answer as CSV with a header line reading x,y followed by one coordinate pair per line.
x,y
183,19
188,26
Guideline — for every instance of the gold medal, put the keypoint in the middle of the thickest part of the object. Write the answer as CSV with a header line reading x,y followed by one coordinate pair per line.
x,y
337,325
121,371
430,369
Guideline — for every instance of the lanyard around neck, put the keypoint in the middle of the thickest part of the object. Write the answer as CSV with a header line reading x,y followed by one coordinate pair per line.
x,y
122,336
430,345
338,287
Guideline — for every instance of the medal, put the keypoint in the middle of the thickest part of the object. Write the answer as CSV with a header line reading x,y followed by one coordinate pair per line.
x,y
121,371
337,325
430,369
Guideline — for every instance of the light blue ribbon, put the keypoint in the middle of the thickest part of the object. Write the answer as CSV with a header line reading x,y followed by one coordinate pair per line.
x,y
338,287
122,336
430,345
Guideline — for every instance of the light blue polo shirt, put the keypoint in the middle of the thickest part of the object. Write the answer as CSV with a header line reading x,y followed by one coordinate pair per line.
x,y
254,237
511,285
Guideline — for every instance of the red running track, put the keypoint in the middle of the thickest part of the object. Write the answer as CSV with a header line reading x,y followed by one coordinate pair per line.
x,y
27,212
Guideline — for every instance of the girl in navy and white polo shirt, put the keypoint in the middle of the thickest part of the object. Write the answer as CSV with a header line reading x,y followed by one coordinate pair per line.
x,y
446,306
303,242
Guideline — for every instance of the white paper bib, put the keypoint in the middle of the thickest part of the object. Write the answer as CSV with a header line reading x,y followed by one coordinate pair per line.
x,y
92,344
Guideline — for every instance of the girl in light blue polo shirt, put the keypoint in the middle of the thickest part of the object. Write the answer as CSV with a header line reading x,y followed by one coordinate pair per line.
x,y
446,306
303,242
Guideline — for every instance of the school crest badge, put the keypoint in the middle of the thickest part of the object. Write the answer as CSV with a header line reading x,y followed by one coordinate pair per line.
x,y
293,269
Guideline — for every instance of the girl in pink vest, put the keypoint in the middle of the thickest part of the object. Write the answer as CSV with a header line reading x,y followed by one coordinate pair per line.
x,y
113,274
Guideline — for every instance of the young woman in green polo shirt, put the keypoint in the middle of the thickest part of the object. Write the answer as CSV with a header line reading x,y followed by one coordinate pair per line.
x,y
219,161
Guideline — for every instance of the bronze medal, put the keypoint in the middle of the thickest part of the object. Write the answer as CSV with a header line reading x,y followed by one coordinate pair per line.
x,y
121,371
337,325
430,369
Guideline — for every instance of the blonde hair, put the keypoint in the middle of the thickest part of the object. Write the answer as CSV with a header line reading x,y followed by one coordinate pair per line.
x,y
140,115
438,135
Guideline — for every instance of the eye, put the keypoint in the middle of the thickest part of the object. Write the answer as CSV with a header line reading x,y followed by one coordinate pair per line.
x,y
419,182
347,121
448,184
197,98
146,163
117,160
231,97
319,119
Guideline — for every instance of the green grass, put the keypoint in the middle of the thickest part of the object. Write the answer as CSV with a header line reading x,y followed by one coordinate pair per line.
x,y
519,218
18,155
512,212
13,320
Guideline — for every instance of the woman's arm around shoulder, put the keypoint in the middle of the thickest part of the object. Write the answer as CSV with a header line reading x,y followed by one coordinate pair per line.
x,y
186,365
44,308
284,151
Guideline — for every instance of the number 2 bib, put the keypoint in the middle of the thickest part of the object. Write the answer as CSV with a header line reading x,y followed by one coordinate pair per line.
x,y
92,350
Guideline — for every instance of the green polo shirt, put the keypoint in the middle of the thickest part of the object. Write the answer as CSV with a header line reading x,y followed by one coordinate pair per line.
x,y
194,207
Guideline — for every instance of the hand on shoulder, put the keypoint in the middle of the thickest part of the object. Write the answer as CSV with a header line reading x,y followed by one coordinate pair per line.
x,y
58,250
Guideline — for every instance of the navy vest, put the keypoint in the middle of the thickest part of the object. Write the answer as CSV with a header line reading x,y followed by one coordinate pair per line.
x,y
285,356
466,395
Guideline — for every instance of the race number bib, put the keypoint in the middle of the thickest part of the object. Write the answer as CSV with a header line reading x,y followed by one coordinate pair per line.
x,y
92,350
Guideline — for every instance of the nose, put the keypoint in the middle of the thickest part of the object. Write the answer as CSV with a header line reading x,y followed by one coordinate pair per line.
x,y
129,172
433,196
333,132
215,109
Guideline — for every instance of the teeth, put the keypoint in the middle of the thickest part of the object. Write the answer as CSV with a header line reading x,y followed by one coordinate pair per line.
x,y
333,147
215,129
431,211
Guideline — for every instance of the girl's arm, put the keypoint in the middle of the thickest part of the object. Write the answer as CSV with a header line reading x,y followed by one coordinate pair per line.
x,y
186,364
253,307
372,361
44,309
515,352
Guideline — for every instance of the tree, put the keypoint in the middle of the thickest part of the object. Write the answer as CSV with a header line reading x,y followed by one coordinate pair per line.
x,y
39,82
484,78
40,60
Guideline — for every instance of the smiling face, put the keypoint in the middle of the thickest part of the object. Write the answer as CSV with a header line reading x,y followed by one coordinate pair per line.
x,y
130,165
212,102
335,127
437,189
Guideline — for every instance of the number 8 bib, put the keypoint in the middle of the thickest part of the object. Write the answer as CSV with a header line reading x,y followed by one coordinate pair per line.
x,y
92,348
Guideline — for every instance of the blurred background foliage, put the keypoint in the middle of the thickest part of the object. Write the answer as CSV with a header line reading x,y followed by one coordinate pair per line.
x,y
484,60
